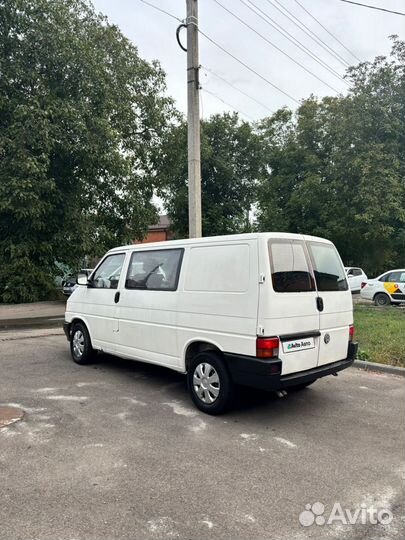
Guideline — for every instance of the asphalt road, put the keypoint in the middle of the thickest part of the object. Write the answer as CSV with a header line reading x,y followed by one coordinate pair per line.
x,y
116,451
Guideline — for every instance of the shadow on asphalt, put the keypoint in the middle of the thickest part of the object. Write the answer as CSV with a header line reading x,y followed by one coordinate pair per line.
x,y
156,377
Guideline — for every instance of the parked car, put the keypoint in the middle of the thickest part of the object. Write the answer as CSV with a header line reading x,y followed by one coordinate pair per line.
x,y
355,276
268,310
70,284
389,288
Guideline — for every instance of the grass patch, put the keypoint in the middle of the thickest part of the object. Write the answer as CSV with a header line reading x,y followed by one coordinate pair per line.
x,y
381,334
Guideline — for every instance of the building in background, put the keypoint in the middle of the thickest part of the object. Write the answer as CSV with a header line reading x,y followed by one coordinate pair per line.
x,y
158,232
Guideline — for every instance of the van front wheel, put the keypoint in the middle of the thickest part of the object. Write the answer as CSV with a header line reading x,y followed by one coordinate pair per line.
x,y
80,345
209,383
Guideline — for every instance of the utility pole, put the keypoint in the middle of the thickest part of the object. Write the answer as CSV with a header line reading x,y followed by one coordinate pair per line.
x,y
193,119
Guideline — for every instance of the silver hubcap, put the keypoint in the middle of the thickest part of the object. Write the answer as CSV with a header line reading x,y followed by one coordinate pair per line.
x,y
78,343
206,382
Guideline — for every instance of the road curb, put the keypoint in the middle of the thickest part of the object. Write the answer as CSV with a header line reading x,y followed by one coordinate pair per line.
x,y
32,322
381,368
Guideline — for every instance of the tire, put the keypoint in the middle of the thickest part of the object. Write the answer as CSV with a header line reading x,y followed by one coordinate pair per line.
x,y
80,345
301,386
217,396
382,299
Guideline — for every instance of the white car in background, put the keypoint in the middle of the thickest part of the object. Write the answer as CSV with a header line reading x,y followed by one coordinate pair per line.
x,y
389,288
355,277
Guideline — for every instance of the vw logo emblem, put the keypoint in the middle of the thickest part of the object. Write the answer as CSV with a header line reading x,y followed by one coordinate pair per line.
x,y
326,338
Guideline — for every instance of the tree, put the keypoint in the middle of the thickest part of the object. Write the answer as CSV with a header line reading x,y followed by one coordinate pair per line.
x,y
336,167
230,168
81,116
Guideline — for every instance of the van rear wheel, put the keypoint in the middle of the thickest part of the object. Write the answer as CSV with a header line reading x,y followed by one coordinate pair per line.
x,y
80,344
209,383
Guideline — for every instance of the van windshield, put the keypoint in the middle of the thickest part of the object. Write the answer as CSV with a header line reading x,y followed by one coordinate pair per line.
x,y
328,270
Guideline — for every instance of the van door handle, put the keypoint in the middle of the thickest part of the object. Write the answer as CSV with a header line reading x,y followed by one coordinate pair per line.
x,y
319,303
117,297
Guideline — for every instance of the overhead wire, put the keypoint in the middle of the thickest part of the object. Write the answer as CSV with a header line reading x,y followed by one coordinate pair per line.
x,y
161,10
326,30
275,46
246,66
304,28
374,7
227,104
236,88
271,22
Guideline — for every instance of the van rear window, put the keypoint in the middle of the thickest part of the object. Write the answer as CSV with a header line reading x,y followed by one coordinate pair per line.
x,y
289,267
328,270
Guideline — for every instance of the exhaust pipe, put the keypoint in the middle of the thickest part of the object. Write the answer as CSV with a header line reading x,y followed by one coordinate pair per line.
x,y
281,393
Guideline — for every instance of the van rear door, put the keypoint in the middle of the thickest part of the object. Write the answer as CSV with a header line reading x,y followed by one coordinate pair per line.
x,y
287,307
334,301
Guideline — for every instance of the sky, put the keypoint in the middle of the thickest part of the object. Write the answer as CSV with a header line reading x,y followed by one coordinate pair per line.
x,y
363,32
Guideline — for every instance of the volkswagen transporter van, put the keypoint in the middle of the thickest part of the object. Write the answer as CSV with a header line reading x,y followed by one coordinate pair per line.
x,y
268,310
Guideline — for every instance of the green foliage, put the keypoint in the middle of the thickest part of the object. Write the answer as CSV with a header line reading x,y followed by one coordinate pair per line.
x,y
337,167
363,355
230,169
81,116
380,333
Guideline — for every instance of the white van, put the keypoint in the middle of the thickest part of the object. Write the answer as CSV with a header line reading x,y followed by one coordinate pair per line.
x,y
269,310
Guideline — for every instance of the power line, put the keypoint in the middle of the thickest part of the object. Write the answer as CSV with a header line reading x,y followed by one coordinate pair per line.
x,y
225,51
304,28
161,10
374,7
246,66
266,18
275,46
326,30
237,89
227,104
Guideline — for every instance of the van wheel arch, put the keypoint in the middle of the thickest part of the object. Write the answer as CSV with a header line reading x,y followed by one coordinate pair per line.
x,y
82,321
197,347
79,320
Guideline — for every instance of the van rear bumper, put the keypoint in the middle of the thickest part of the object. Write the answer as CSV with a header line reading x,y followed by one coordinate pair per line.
x,y
266,374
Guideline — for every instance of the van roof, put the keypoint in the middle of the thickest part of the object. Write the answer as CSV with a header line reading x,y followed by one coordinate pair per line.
x,y
213,239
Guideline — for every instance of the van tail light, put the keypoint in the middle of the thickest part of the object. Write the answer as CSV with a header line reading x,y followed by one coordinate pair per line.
x,y
363,284
351,332
267,347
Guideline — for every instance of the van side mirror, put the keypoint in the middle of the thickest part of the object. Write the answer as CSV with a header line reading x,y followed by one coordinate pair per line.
x,y
82,279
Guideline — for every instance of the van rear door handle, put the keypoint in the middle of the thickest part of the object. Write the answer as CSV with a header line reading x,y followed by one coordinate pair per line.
x,y
319,303
117,297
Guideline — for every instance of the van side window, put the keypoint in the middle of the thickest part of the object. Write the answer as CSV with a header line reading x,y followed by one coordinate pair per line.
x,y
329,272
289,267
156,270
108,273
